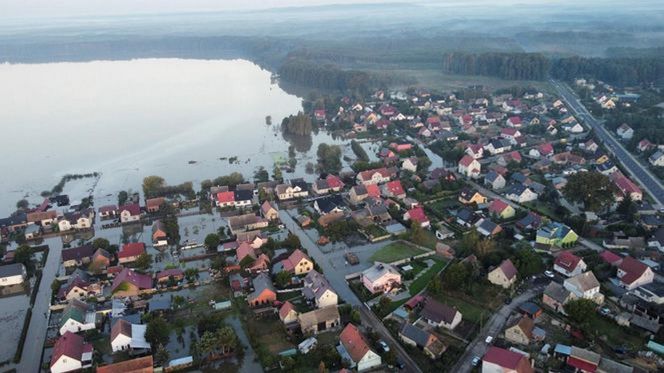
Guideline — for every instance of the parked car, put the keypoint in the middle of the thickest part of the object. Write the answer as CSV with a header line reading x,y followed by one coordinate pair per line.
x,y
384,346
400,364
476,361
488,339
549,274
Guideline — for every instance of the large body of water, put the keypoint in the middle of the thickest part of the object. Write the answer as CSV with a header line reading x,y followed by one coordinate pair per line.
x,y
131,119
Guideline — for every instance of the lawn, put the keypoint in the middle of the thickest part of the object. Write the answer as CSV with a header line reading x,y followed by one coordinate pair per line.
x,y
395,251
616,334
470,312
421,282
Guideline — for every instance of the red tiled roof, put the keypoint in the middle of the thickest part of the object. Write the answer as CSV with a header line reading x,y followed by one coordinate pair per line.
x,y
497,206
225,197
243,250
633,269
139,365
134,209
70,345
373,190
175,272
466,160
132,249
294,259
545,149
502,357
609,257
395,187
509,131
626,185
567,261
582,365
366,175
475,148
285,309
127,275
417,214
154,202
108,208
334,181
515,120
354,343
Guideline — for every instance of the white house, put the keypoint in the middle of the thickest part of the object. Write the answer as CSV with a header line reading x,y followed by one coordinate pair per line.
x,y
128,336
569,264
77,317
130,213
657,158
71,353
440,315
381,277
12,274
633,273
356,351
625,132
584,285
521,193
318,290
469,167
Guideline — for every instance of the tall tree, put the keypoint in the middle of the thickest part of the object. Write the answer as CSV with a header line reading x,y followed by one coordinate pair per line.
x,y
593,189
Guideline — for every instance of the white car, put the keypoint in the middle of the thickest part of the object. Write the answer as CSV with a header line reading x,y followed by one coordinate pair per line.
x,y
488,339
384,346
476,360
549,274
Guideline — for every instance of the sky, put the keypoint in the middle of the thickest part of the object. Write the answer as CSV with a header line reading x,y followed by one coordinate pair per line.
x,y
65,8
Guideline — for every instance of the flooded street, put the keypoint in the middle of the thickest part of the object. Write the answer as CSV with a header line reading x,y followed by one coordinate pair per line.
x,y
181,119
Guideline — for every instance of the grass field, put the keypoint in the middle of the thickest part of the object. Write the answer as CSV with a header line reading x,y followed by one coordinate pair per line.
x,y
469,311
421,282
395,251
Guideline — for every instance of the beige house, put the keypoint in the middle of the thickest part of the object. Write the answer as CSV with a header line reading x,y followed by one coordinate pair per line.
x,y
269,212
521,332
319,320
556,296
585,285
504,275
287,313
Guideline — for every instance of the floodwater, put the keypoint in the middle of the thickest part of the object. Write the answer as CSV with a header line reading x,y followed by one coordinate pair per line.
x,y
174,118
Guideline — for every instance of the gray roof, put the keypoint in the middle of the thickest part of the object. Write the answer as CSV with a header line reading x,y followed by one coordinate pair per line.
x,y
557,292
11,270
415,334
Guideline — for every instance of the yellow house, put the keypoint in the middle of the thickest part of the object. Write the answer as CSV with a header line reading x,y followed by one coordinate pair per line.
x,y
297,263
469,196
504,275
501,209
602,159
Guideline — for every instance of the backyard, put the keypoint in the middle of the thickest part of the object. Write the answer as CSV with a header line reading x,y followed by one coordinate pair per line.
x,y
396,251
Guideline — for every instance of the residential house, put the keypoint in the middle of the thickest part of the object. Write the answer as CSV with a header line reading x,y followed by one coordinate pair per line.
x,y
569,264
469,167
243,197
358,193
466,217
440,315
12,274
523,332
476,151
468,196
529,222
556,296
418,216
657,158
652,292
225,199
514,122
409,164
498,146
287,313
583,360
625,132
494,180
77,316
108,212
610,258
171,274
329,204
246,222
128,283
130,252
585,285
381,277
126,336
353,348
264,293
633,273
501,209
393,189
153,205
79,286
645,145
77,256
42,218
138,365
626,187
130,213
487,228
556,234
75,220
504,275
297,263
500,360
71,353
426,341
331,183
269,211
319,320
317,290
159,235
520,193
289,191
590,146
376,176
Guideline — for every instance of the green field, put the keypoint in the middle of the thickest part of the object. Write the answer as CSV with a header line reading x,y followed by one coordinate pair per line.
x,y
395,251
470,312
421,282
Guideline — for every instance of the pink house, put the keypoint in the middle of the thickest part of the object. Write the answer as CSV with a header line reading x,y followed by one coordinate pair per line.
x,y
381,278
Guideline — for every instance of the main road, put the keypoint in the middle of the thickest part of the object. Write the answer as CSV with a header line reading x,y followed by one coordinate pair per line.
x,y
339,284
647,180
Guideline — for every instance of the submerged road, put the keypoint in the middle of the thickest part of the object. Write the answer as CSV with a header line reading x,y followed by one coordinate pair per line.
x,y
637,170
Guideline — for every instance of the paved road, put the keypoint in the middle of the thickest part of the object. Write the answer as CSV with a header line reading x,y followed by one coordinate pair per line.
x,y
339,284
638,171
493,327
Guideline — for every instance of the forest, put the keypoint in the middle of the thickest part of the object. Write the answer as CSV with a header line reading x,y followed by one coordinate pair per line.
x,y
329,77
533,66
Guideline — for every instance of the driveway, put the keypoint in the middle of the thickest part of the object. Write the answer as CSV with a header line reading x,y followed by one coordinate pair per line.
x,y
338,282
493,327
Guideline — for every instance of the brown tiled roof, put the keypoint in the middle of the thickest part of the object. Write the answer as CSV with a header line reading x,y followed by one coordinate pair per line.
x,y
138,365
354,342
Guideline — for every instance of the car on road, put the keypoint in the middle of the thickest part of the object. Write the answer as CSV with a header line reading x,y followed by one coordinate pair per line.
x,y
476,361
488,339
549,274
399,364
604,311
384,346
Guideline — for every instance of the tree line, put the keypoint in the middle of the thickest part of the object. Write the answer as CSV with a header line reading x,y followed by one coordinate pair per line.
x,y
327,76
534,66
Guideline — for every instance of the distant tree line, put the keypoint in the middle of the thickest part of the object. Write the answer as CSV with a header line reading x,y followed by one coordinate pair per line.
x,y
327,76
299,124
511,66
534,66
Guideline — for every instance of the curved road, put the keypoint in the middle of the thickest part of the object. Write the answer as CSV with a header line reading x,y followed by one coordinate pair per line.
x,y
647,180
